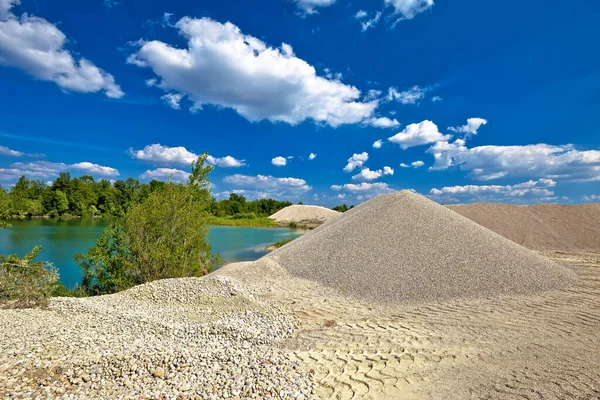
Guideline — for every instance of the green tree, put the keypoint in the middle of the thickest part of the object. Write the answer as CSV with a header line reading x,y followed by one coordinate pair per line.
x,y
61,203
164,236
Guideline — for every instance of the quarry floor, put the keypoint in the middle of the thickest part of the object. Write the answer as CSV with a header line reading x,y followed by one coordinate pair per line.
x,y
545,346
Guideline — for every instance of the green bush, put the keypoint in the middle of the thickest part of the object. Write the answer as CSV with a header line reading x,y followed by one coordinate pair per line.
x,y
25,282
162,237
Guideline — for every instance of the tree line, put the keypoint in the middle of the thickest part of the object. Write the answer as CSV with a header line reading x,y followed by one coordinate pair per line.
x,y
84,197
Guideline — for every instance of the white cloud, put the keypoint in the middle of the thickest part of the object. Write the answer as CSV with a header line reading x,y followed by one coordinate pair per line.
x,y
372,189
408,9
435,99
269,184
159,154
173,100
591,198
310,6
377,144
279,161
473,124
95,169
5,151
382,122
418,134
361,14
163,174
224,67
312,156
367,175
356,161
410,96
37,47
563,162
47,169
225,162
5,6
414,164
365,25
538,188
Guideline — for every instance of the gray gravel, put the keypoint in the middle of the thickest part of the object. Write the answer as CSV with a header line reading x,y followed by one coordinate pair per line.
x,y
205,338
405,248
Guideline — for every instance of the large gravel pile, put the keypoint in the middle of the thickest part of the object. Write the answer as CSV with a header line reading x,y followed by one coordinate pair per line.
x,y
310,216
402,247
180,338
558,227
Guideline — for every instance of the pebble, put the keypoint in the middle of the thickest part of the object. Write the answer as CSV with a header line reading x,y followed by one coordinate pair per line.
x,y
213,335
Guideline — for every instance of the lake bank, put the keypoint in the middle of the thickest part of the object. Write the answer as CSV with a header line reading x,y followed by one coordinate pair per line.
x,y
62,239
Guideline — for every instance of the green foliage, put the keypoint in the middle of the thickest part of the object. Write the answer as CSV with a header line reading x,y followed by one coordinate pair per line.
x,y
163,236
234,221
238,205
293,225
342,208
25,282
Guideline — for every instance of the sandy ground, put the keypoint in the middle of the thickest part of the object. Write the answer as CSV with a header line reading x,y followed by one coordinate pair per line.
x,y
542,346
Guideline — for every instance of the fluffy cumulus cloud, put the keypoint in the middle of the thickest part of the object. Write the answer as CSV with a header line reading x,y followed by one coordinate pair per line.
x,y
410,96
539,189
225,162
267,184
408,9
471,128
377,144
173,100
279,161
95,169
312,156
367,175
164,174
356,161
418,134
310,6
563,162
591,198
5,151
382,122
414,164
222,66
37,47
179,155
48,170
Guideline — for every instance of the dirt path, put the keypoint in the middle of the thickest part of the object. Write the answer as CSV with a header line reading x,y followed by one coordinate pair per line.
x,y
533,347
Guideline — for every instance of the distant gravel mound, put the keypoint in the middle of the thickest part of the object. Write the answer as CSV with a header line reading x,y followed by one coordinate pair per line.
x,y
310,216
404,248
558,227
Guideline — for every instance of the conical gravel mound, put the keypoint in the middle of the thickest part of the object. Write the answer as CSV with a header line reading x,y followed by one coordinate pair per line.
x,y
304,215
405,248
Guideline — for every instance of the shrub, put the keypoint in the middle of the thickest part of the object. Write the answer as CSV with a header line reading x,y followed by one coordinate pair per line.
x,y
25,282
162,237
293,225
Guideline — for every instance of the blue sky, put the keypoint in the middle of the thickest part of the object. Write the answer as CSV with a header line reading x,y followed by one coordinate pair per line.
x,y
461,101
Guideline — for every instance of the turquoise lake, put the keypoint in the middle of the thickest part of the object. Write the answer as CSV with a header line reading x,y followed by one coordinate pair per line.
x,y
61,240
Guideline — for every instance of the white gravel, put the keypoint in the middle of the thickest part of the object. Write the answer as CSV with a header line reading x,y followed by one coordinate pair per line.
x,y
405,248
205,338
310,216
